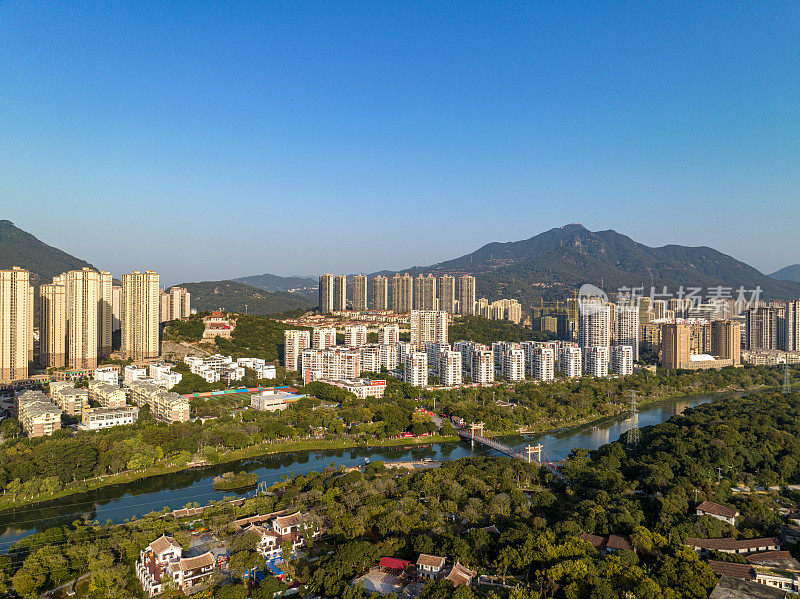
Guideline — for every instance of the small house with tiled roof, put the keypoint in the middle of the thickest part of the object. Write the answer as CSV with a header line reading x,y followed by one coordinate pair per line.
x,y
721,512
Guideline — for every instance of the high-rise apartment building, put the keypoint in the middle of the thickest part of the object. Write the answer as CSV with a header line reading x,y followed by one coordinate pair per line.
x,y
175,304
675,343
340,293
594,324
360,293
543,363
370,358
596,361
792,333
482,367
659,309
83,303
388,334
761,328
513,365
402,293
105,315
355,335
425,293
140,315
428,325
326,293
450,367
294,342
622,359
447,294
570,361
116,308
16,324
626,327
389,356
466,295
416,369
53,324
380,293
726,340
323,337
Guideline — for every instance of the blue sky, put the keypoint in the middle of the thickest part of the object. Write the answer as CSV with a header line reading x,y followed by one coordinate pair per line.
x,y
213,140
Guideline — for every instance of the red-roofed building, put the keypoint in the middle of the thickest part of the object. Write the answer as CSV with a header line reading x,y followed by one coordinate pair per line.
x,y
393,564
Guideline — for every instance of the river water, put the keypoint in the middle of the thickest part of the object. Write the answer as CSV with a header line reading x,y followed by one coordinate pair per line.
x,y
118,503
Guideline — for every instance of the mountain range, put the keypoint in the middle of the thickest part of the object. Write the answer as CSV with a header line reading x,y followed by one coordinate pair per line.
x,y
549,266
788,273
270,282
20,248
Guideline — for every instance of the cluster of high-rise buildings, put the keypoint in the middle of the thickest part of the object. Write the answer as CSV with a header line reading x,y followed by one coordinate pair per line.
x,y
404,293
77,316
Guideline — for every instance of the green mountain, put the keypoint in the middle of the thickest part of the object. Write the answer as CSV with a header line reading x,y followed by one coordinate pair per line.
x,y
788,273
19,248
555,262
270,282
238,297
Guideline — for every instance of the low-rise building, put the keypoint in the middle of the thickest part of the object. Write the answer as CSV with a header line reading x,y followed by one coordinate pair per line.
x,y
271,400
273,531
460,575
738,546
718,511
69,398
99,418
37,415
162,564
164,405
108,396
218,325
361,388
262,369
430,566
162,374
107,374
133,373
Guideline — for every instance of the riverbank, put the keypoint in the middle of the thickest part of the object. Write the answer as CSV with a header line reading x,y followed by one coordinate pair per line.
x,y
7,506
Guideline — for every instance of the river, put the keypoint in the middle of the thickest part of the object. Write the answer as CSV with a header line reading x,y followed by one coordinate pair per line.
x,y
118,503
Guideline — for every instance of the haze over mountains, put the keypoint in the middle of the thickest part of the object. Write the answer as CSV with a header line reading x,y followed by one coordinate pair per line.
x,y
788,273
548,265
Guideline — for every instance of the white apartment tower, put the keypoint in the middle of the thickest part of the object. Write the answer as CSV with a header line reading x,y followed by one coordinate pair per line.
x,y
355,335
450,368
447,294
482,367
16,324
389,356
622,359
294,342
175,304
466,295
514,364
570,361
380,293
388,334
595,361
140,315
326,293
428,325
416,369
323,337
543,367
360,293
626,327
340,293
594,324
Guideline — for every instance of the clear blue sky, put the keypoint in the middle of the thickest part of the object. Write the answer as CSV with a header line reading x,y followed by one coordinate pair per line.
x,y
211,140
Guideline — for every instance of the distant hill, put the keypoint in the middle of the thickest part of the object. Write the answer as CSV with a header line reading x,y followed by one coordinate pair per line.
x,y
788,273
19,248
270,282
233,296
551,264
